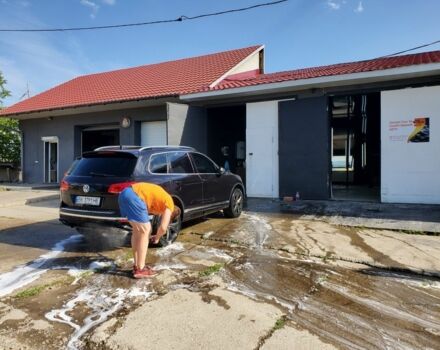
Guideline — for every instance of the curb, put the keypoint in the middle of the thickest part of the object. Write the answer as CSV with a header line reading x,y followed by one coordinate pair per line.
x,y
42,198
30,200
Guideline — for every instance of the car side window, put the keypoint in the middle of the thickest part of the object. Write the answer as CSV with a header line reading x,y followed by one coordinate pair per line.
x,y
158,163
179,163
203,164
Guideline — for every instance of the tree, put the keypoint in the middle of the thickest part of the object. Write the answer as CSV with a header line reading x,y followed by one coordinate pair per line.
x,y
3,92
9,132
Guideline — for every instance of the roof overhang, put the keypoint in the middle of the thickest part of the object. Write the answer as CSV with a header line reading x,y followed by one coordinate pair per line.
x,y
415,71
92,108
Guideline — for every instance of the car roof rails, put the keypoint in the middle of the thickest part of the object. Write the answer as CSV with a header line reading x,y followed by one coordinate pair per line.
x,y
167,146
119,147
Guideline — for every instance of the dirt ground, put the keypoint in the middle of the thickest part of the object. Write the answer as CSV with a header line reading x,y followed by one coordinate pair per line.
x,y
268,280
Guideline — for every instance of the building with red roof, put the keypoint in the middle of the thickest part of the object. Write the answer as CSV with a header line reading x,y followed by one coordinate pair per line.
x,y
324,132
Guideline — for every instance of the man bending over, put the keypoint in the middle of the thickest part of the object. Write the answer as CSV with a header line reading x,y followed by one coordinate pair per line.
x,y
136,203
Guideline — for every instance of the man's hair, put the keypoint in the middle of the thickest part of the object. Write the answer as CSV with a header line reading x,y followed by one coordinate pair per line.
x,y
176,212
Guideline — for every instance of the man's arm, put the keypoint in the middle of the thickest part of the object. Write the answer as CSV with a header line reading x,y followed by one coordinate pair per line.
x,y
164,222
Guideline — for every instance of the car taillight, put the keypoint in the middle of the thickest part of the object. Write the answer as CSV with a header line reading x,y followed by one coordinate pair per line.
x,y
118,188
64,186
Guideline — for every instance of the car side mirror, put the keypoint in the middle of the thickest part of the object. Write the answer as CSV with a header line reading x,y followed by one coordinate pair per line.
x,y
221,170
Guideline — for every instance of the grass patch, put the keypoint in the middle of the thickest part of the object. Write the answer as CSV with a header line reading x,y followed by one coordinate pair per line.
x,y
322,279
280,323
211,270
36,290
85,274
31,292
328,256
235,241
127,256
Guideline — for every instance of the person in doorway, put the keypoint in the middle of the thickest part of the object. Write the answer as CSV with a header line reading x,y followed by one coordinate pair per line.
x,y
136,202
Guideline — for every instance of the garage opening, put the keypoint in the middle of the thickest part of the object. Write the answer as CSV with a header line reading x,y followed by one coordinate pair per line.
x,y
227,136
95,137
355,147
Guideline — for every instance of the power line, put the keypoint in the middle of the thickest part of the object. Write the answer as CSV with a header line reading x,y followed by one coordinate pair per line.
x,y
412,49
179,19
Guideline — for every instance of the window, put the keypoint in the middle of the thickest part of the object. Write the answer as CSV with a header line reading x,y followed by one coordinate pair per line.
x,y
340,149
179,163
158,164
104,166
203,164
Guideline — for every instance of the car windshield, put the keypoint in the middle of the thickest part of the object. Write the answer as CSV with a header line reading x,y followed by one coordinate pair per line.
x,y
113,166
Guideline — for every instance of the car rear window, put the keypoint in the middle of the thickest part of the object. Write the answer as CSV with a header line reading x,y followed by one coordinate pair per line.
x,y
105,166
179,163
171,163
158,164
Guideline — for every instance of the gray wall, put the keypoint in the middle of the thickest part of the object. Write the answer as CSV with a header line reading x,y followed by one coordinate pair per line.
x,y
304,148
68,130
187,126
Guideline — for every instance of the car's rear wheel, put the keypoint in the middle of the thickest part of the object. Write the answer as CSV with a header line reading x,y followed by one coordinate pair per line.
x,y
172,233
235,204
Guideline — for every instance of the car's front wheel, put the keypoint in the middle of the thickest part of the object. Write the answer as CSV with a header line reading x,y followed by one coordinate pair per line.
x,y
235,204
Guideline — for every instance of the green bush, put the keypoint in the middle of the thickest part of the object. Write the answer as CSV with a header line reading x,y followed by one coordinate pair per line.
x,y
9,141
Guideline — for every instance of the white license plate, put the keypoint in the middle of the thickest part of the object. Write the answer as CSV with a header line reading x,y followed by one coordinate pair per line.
x,y
83,200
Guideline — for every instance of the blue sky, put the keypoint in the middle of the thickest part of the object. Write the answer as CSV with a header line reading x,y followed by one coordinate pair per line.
x,y
296,34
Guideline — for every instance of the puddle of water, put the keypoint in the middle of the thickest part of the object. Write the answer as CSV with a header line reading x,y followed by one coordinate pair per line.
x,y
212,255
350,309
261,228
171,249
169,266
101,265
78,273
23,275
102,300
208,234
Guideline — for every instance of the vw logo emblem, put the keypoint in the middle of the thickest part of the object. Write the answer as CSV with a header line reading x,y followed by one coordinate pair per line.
x,y
86,188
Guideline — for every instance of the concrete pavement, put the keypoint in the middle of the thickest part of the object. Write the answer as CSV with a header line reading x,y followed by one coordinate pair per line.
x,y
11,198
278,277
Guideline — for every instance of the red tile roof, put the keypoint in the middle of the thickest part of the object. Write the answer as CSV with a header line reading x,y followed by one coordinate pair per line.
x,y
155,80
332,70
187,76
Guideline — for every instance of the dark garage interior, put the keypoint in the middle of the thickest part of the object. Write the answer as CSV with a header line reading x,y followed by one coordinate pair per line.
x,y
355,146
92,139
227,136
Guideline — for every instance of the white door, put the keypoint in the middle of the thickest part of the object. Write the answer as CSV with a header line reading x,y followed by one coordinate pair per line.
x,y
262,170
154,133
260,163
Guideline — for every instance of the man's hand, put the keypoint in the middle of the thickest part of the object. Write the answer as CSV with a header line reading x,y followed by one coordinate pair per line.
x,y
164,222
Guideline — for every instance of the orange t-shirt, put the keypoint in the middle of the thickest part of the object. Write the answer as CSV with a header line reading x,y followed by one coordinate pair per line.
x,y
154,196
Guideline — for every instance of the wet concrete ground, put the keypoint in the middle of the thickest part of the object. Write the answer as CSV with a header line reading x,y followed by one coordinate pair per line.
x,y
264,281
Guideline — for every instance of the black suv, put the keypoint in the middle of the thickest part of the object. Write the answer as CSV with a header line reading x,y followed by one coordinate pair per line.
x,y
90,189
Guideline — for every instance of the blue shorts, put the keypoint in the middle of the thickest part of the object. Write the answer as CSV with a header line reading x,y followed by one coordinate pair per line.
x,y
132,207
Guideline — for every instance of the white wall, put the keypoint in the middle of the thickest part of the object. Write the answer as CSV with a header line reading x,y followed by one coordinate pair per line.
x,y
262,141
250,63
410,171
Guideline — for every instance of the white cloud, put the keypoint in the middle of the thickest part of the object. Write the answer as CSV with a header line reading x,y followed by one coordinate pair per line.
x,y
359,8
36,59
92,5
334,5
109,2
